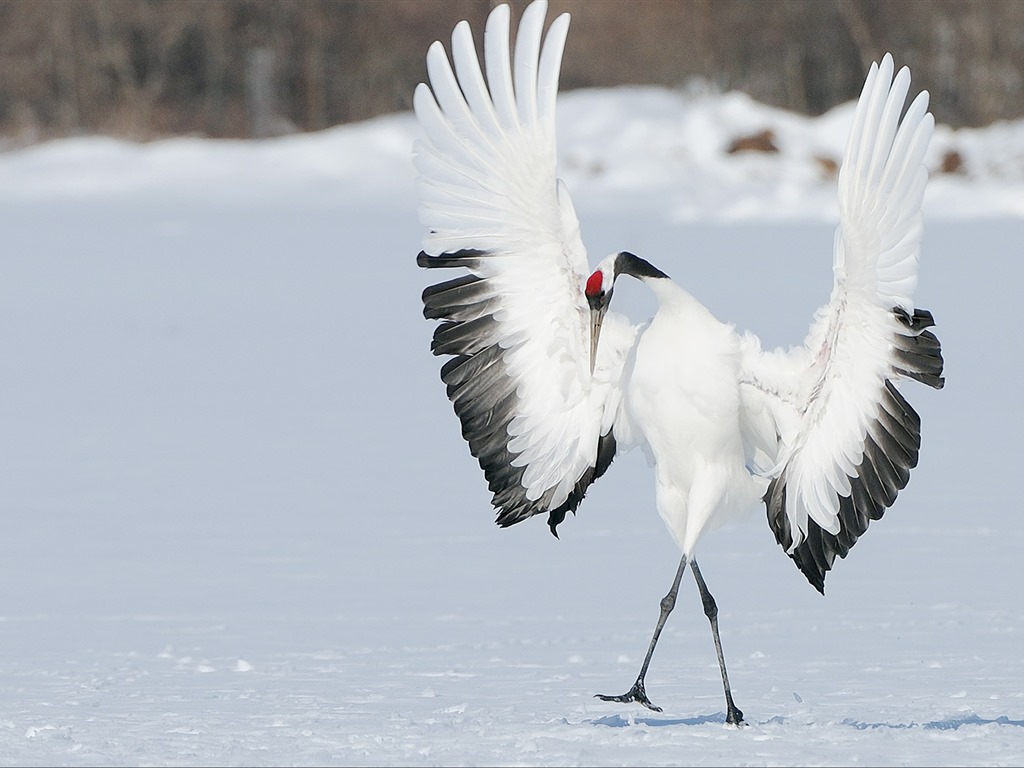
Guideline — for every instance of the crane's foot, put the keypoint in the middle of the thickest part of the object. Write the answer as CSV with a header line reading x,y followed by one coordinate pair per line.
x,y
735,716
639,695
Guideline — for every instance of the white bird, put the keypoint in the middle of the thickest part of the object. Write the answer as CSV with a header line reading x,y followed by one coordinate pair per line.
x,y
549,386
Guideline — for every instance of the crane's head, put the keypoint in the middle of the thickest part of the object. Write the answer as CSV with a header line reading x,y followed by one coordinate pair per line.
x,y
601,283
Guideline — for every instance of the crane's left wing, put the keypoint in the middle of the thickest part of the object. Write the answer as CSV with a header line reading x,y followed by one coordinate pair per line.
x,y
534,415
826,422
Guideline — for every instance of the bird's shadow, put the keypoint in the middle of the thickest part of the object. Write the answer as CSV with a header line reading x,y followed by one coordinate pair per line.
x,y
618,721
948,724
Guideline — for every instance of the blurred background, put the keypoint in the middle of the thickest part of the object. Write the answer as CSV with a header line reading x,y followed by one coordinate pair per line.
x,y
145,69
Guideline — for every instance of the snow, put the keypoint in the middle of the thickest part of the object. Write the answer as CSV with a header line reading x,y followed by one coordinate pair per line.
x,y
241,526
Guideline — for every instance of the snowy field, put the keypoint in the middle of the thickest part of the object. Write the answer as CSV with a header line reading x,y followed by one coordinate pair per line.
x,y
241,526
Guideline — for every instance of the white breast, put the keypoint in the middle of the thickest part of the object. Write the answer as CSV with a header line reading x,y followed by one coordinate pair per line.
x,y
683,397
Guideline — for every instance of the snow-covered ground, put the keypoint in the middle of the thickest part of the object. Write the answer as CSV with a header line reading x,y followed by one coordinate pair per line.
x,y
240,525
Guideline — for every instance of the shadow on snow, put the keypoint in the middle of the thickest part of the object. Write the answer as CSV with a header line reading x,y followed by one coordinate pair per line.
x,y
618,721
949,724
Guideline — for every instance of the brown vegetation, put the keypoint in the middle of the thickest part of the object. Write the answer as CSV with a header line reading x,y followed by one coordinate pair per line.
x,y
145,68
762,141
952,162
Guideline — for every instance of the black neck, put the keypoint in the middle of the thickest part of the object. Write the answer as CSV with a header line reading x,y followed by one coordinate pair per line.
x,y
627,263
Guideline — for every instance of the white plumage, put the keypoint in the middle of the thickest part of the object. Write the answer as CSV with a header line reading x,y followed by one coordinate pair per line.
x,y
549,385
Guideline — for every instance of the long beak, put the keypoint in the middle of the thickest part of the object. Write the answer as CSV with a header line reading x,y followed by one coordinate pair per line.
x,y
596,317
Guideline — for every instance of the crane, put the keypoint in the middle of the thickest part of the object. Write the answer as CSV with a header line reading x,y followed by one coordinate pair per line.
x,y
549,385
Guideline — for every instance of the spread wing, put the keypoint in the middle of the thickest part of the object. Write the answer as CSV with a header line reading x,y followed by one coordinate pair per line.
x,y
516,323
826,421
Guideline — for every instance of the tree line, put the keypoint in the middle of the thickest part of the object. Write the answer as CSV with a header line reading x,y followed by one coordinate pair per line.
x,y
144,69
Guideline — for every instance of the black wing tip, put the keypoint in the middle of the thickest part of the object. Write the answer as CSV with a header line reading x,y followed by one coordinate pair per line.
x,y
814,562
816,554
891,447
815,576
919,350
606,449
921,319
467,257
775,504
509,498
881,475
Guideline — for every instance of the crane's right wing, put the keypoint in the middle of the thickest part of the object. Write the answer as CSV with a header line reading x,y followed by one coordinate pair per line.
x,y
517,325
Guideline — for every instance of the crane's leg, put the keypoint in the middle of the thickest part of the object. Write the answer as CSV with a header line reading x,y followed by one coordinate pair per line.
x,y
668,602
733,716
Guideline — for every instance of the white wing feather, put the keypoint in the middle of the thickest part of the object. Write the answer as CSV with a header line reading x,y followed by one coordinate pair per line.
x,y
488,189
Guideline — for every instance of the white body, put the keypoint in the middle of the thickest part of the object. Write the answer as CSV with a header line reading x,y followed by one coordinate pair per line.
x,y
682,386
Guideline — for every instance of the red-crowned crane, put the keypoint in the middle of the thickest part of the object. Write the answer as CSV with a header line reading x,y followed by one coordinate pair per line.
x,y
549,385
